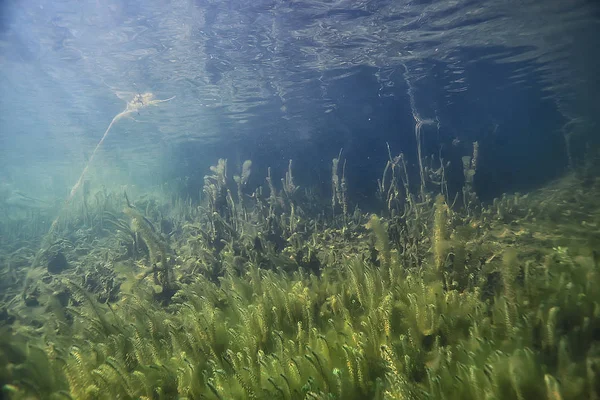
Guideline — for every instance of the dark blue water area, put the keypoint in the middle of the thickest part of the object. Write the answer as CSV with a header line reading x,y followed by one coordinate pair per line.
x,y
518,127
518,130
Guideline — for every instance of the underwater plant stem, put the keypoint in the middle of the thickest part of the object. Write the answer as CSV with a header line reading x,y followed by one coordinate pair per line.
x,y
419,122
85,169
139,101
87,166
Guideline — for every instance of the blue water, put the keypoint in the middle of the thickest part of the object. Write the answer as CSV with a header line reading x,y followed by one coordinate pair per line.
x,y
275,80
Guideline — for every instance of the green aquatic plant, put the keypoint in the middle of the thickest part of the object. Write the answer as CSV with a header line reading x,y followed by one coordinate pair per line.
x,y
160,266
339,187
423,302
440,233
389,190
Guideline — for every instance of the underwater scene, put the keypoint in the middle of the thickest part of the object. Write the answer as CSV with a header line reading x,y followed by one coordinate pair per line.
x,y
300,199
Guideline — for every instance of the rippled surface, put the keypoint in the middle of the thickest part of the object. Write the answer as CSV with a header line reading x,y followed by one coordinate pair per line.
x,y
241,66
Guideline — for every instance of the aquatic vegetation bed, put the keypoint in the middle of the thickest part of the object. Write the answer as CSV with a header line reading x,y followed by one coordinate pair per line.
x,y
252,297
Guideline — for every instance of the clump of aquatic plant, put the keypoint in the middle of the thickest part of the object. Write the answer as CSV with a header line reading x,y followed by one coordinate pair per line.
x,y
160,265
423,301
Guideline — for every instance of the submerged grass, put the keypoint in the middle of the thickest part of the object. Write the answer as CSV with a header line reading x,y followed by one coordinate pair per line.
x,y
252,297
